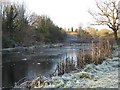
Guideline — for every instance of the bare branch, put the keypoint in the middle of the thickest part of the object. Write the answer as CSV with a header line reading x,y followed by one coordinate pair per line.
x,y
107,14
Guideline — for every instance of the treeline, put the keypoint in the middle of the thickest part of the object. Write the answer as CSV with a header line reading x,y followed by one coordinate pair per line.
x,y
91,32
83,33
20,29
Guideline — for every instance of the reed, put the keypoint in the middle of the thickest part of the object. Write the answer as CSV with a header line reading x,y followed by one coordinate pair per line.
x,y
99,52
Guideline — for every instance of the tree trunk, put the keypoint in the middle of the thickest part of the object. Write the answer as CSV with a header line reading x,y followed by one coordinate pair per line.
x,y
116,36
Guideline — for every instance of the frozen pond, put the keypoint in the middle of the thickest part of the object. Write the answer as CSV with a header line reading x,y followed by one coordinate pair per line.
x,y
35,61
104,75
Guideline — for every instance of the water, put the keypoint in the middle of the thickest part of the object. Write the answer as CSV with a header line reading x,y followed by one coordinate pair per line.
x,y
17,65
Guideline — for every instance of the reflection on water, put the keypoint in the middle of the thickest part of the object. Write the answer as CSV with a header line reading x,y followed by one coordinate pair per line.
x,y
34,69
31,65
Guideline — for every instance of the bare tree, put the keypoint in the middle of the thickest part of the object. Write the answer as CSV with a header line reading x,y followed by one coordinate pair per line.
x,y
107,15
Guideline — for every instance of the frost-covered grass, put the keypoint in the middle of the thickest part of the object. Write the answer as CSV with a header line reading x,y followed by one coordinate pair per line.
x,y
103,75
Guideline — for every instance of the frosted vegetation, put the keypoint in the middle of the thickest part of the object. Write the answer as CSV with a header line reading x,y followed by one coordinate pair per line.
x,y
103,75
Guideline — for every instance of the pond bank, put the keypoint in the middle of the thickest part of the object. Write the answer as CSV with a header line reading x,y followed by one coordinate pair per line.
x,y
104,75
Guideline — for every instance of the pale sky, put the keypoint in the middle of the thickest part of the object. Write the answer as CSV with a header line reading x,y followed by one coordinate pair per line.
x,y
64,13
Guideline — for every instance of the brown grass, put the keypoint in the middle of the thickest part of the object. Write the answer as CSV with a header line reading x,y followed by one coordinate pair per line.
x,y
100,51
